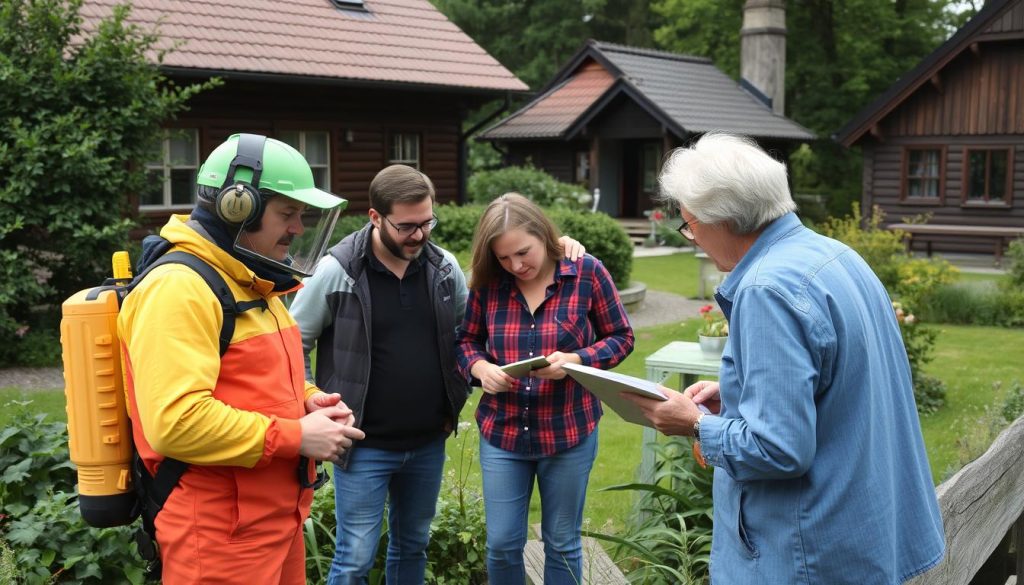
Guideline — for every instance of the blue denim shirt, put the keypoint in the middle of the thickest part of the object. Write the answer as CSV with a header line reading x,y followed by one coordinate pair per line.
x,y
821,475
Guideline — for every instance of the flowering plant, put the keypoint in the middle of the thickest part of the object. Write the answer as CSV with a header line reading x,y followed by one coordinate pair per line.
x,y
714,324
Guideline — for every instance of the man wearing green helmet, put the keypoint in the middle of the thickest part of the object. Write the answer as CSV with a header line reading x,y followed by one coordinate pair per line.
x,y
240,415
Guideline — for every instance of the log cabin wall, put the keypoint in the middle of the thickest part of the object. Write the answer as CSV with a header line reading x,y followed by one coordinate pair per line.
x,y
360,122
975,103
556,157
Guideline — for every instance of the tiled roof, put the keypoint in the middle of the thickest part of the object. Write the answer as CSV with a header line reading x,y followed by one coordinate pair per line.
x,y
699,96
688,94
551,114
400,41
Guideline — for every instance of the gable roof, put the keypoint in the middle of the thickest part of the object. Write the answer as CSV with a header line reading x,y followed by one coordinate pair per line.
x,y
998,19
405,42
685,94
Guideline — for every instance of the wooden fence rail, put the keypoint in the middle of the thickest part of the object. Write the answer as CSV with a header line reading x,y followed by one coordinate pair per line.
x,y
979,505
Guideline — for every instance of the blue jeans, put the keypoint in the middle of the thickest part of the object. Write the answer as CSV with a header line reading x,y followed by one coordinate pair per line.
x,y
410,481
508,483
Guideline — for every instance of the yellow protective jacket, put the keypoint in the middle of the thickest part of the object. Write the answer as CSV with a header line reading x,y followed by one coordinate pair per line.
x,y
234,418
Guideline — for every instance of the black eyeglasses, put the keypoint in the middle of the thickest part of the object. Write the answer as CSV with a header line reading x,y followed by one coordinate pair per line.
x,y
685,230
407,229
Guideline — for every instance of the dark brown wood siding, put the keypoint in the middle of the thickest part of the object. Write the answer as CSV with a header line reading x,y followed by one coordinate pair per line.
x,y
977,101
359,120
979,94
556,157
883,181
1012,21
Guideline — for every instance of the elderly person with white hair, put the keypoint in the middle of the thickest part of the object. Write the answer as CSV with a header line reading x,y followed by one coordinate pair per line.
x,y
821,475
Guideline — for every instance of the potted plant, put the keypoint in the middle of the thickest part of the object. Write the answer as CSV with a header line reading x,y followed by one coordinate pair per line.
x,y
713,332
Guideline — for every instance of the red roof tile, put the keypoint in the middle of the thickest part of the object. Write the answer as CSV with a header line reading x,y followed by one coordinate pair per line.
x,y
551,114
403,41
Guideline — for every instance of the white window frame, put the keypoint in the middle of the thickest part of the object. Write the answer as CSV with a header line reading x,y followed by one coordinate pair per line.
x,y
303,136
404,158
165,167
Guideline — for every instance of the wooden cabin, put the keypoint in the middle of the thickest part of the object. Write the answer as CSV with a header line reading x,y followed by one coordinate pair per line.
x,y
355,85
947,139
609,116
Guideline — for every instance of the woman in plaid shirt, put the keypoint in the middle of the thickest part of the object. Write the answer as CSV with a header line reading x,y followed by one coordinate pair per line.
x,y
525,300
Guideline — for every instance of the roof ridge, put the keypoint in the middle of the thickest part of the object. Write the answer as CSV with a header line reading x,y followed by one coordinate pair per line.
x,y
656,53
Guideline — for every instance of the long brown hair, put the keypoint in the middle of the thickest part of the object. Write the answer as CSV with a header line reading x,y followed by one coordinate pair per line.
x,y
509,212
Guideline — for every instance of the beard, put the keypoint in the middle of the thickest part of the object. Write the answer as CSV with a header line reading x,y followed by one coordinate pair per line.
x,y
398,250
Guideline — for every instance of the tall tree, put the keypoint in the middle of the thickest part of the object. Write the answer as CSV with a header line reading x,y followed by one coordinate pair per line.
x,y
534,38
80,111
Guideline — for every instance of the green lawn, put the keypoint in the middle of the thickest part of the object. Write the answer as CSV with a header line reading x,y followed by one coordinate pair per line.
x,y
676,273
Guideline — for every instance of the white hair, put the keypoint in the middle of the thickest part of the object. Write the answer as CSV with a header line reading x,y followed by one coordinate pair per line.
x,y
726,178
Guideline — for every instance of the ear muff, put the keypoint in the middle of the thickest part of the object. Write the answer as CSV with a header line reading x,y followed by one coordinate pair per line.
x,y
239,202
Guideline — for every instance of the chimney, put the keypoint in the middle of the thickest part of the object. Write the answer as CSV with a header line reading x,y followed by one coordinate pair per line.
x,y
763,50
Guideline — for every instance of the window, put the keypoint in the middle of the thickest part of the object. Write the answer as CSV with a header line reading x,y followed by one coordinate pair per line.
x,y
922,175
315,147
987,176
172,171
582,173
404,149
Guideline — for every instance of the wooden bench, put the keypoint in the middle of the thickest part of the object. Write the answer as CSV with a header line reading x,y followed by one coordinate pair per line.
x,y
1000,235
598,568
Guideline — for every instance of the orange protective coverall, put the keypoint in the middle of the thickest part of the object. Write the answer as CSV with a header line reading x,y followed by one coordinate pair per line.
x,y
236,515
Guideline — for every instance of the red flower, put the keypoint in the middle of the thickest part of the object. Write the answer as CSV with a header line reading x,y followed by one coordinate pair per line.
x,y
705,309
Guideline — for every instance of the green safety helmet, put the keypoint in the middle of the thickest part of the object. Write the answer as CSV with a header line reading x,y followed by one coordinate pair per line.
x,y
248,169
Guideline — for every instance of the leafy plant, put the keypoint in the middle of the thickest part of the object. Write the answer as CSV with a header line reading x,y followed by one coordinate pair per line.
x,y
39,514
529,181
34,460
456,226
604,238
457,552
882,249
80,110
929,392
1015,257
714,324
668,539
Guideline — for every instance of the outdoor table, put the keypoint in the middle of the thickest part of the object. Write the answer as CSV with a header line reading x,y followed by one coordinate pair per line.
x,y
678,357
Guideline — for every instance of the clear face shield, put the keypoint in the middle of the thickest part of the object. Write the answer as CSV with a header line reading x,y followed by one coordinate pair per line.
x,y
290,235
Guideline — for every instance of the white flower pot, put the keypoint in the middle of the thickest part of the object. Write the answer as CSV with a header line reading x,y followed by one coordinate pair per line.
x,y
712,347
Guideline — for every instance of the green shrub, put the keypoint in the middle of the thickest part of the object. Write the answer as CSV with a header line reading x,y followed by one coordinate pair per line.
x,y
38,343
1015,258
882,249
604,238
668,540
929,392
974,303
919,277
530,182
39,515
9,571
81,110
668,235
455,226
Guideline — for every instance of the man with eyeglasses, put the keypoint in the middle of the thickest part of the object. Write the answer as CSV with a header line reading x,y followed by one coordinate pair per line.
x,y
381,309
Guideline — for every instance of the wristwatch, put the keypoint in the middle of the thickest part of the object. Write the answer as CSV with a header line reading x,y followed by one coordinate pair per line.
x,y
696,426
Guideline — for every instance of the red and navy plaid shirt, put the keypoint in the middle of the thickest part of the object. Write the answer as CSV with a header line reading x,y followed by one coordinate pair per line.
x,y
581,312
